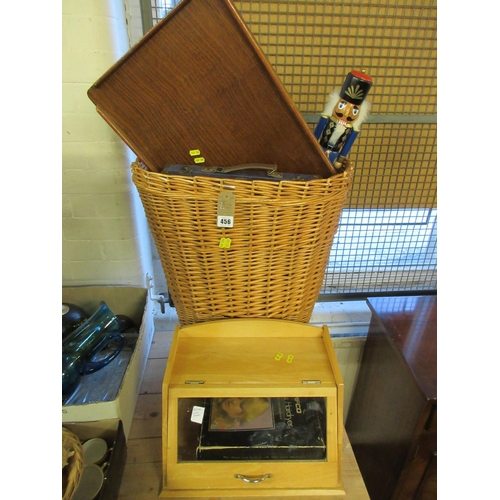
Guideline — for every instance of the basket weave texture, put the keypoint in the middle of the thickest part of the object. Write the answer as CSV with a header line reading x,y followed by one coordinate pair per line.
x,y
72,463
279,249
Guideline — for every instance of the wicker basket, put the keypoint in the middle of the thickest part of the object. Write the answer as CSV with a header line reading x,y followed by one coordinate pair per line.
x,y
72,463
279,248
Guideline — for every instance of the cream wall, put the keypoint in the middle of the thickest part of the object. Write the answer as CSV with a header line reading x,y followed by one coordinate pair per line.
x,y
104,232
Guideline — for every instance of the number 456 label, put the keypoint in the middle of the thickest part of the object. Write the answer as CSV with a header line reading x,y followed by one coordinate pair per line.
x,y
225,209
225,221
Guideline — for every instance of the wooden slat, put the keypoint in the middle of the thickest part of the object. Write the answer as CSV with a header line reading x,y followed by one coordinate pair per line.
x,y
141,481
160,346
153,376
144,450
355,488
147,417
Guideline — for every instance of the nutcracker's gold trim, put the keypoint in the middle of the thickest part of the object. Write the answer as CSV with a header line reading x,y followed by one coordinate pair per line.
x,y
354,92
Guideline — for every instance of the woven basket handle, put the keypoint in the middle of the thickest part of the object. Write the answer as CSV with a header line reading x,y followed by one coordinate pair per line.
x,y
272,170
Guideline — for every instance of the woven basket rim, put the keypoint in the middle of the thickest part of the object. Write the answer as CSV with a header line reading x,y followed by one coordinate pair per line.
x,y
138,164
269,192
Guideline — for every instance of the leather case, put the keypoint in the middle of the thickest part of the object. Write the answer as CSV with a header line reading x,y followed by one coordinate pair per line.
x,y
249,171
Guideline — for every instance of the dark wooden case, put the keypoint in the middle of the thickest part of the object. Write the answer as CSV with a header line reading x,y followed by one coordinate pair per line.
x,y
392,421
199,81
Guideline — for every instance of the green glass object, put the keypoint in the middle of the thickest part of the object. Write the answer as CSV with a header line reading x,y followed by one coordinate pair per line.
x,y
83,345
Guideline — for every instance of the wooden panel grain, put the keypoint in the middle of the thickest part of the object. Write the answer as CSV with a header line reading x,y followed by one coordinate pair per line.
x,y
241,360
382,417
147,417
153,376
392,421
198,80
160,346
144,450
141,481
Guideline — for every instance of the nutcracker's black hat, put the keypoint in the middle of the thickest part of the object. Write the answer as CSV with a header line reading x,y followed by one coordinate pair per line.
x,y
356,87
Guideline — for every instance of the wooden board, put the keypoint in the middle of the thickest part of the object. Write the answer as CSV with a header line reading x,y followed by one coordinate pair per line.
x,y
199,81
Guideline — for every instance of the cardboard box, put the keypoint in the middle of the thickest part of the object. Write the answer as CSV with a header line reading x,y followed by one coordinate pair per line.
x,y
132,302
112,432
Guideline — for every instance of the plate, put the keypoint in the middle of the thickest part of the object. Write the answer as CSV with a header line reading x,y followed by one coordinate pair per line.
x,y
94,451
90,483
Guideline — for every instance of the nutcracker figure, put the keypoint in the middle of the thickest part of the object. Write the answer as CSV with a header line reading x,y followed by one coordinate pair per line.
x,y
342,117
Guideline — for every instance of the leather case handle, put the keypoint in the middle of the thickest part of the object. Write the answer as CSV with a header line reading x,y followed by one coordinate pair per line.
x,y
272,170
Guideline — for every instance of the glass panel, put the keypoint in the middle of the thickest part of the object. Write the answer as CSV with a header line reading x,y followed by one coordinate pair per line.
x,y
215,429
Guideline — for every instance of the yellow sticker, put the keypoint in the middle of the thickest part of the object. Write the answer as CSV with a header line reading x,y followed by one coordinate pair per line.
x,y
199,160
289,359
195,152
278,356
225,243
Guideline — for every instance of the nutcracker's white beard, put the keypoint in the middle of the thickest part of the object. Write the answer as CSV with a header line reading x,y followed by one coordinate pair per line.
x,y
333,99
339,130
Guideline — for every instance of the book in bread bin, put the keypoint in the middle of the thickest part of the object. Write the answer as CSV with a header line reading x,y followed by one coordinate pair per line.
x,y
279,429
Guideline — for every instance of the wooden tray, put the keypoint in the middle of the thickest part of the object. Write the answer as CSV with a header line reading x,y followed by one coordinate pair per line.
x,y
199,81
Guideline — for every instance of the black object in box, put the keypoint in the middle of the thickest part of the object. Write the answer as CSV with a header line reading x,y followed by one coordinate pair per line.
x,y
296,431
112,432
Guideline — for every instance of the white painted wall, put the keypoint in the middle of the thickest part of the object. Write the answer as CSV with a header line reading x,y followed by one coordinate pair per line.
x,y
105,238
134,20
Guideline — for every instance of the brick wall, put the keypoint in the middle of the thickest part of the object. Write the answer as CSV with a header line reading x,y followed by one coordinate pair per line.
x,y
105,235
